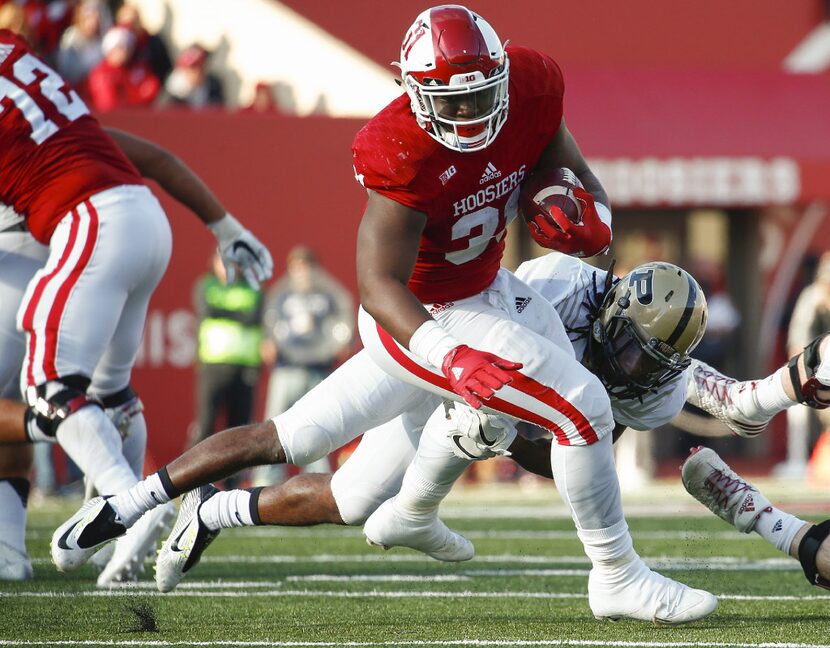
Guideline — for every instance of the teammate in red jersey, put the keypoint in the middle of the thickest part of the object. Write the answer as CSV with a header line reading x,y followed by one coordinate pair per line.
x,y
108,243
443,167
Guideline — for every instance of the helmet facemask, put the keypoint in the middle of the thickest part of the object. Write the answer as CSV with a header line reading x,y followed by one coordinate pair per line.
x,y
465,115
630,366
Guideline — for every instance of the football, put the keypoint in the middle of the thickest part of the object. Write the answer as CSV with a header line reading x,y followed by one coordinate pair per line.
x,y
547,189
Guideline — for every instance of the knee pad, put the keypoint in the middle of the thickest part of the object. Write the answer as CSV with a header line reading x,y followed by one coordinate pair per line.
x,y
806,392
807,551
355,499
51,403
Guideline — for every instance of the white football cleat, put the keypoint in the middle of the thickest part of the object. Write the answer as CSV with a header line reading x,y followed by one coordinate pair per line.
x,y
131,550
732,402
74,541
637,592
188,540
711,482
14,564
387,528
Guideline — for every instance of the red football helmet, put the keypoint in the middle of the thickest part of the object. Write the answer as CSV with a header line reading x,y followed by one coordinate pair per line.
x,y
455,72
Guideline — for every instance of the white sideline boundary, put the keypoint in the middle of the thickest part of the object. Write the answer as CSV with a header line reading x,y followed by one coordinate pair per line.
x,y
456,642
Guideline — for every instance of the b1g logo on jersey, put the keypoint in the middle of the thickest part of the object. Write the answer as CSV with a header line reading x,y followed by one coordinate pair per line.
x,y
449,173
489,193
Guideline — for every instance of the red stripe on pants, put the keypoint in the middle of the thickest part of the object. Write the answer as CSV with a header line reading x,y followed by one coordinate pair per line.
x,y
521,382
37,294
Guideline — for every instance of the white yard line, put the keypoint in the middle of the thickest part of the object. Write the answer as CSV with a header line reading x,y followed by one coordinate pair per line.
x,y
233,593
457,642
665,563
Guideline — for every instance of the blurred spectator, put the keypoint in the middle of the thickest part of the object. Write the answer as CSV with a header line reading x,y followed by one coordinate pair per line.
x,y
46,21
190,84
273,98
80,46
263,101
723,319
308,325
149,48
119,81
13,18
229,337
811,317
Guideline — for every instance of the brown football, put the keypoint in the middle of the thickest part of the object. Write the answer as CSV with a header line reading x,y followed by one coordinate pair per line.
x,y
549,188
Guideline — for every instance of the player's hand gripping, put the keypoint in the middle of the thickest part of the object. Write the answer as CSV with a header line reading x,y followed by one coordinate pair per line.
x,y
584,239
476,375
239,248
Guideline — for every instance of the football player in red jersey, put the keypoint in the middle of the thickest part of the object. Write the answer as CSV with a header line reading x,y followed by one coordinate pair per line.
x,y
105,242
443,165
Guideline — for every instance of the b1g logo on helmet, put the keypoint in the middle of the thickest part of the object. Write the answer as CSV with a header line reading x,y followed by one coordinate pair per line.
x,y
643,283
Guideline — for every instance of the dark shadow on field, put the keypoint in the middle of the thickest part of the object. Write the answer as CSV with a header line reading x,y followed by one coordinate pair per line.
x,y
141,616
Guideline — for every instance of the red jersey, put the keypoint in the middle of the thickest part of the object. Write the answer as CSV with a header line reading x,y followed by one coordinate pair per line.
x,y
469,198
53,153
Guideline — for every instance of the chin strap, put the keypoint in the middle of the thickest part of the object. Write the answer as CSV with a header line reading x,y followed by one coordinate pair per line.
x,y
806,392
808,549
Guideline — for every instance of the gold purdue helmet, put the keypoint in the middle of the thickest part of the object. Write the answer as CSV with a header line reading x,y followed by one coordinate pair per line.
x,y
647,326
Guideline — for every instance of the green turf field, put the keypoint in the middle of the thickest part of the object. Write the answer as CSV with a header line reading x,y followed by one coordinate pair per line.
x,y
324,586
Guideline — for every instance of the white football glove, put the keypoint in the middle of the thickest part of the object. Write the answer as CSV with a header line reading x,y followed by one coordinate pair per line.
x,y
476,435
239,248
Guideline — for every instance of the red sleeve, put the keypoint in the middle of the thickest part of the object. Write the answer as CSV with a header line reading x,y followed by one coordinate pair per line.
x,y
385,155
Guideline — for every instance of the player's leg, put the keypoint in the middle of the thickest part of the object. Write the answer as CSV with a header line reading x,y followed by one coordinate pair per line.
x,y
15,465
110,246
746,407
356,397
20,258
715,485
410,518
554,390
364,481
87,307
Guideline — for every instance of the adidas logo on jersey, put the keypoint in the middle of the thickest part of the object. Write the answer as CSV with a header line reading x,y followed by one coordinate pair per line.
x,y
5,50
521,303
490,173
748,505
778,526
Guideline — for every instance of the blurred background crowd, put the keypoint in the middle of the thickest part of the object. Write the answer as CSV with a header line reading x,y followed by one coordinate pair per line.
x,y
707,123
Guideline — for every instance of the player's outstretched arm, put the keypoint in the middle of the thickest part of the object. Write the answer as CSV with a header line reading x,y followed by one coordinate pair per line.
x,y
238,246
747,406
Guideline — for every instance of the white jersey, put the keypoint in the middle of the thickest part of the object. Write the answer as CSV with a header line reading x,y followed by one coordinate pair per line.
x,y
568,283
